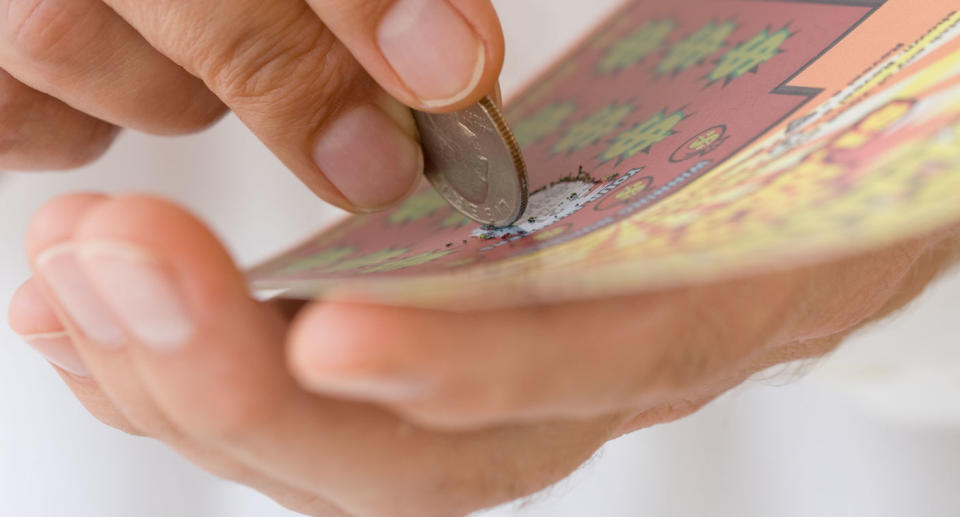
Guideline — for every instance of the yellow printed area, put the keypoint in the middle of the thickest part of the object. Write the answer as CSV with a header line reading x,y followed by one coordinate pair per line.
x,y
885,169
706,140
631,191
895,172
906,57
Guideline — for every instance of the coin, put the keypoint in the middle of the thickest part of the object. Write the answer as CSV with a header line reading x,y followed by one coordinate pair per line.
x,y
473,160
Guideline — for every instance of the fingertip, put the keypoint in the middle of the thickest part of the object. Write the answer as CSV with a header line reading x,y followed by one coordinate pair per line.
x,y
483,19
85,147
207,353
184,276
446,55
163,226
50,248
370,155
56,220
350,350
325,337
33,319
498,96
30,314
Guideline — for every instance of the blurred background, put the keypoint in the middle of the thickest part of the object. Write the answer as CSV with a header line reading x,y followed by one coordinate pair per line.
x,y
873,430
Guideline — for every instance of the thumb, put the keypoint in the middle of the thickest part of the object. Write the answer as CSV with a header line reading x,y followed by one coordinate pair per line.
x,y
298,88
434,55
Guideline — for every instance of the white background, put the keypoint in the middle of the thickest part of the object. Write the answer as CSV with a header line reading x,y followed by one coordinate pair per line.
x,y
874,431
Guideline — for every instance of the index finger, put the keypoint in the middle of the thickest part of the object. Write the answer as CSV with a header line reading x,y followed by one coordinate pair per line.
x,y
289,79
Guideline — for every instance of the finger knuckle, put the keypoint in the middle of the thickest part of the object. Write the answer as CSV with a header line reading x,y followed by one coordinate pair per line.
x,y
27,118
364,14
275,71
40,30
18,153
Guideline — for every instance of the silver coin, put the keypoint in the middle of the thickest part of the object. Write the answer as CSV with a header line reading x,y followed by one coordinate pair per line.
x,y
474,162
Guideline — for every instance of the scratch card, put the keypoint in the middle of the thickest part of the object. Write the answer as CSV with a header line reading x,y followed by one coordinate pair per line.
x,y
686,141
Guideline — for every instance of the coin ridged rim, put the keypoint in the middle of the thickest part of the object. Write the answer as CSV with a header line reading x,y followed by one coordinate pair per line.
x,y
513,146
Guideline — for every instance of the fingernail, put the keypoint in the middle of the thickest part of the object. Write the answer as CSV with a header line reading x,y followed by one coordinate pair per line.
x,y
385,390
498,96
60,271
141,291
433,49
369,159
58,349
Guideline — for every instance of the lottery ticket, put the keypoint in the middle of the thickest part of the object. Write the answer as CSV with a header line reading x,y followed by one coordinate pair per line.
x,y
685,142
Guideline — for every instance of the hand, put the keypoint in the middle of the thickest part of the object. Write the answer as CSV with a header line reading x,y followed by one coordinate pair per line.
x,y
657,355
316,80
162,339
191,360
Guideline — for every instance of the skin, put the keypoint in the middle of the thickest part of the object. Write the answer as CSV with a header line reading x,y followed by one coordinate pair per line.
x,y
334,408
83,68
311,404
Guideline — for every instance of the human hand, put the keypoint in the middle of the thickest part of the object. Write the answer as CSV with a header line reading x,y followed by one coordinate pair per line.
x,y
658,355
163,340
316,80
203,370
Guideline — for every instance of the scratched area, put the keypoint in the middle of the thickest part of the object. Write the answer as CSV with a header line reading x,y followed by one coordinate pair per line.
x,y
685,142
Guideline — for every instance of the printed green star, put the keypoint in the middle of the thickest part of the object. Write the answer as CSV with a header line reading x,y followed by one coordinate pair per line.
x,y
643,136
366,261
319,260
636,46
748,56
408,262
696,48
417,207
540,124
455,220
590,130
